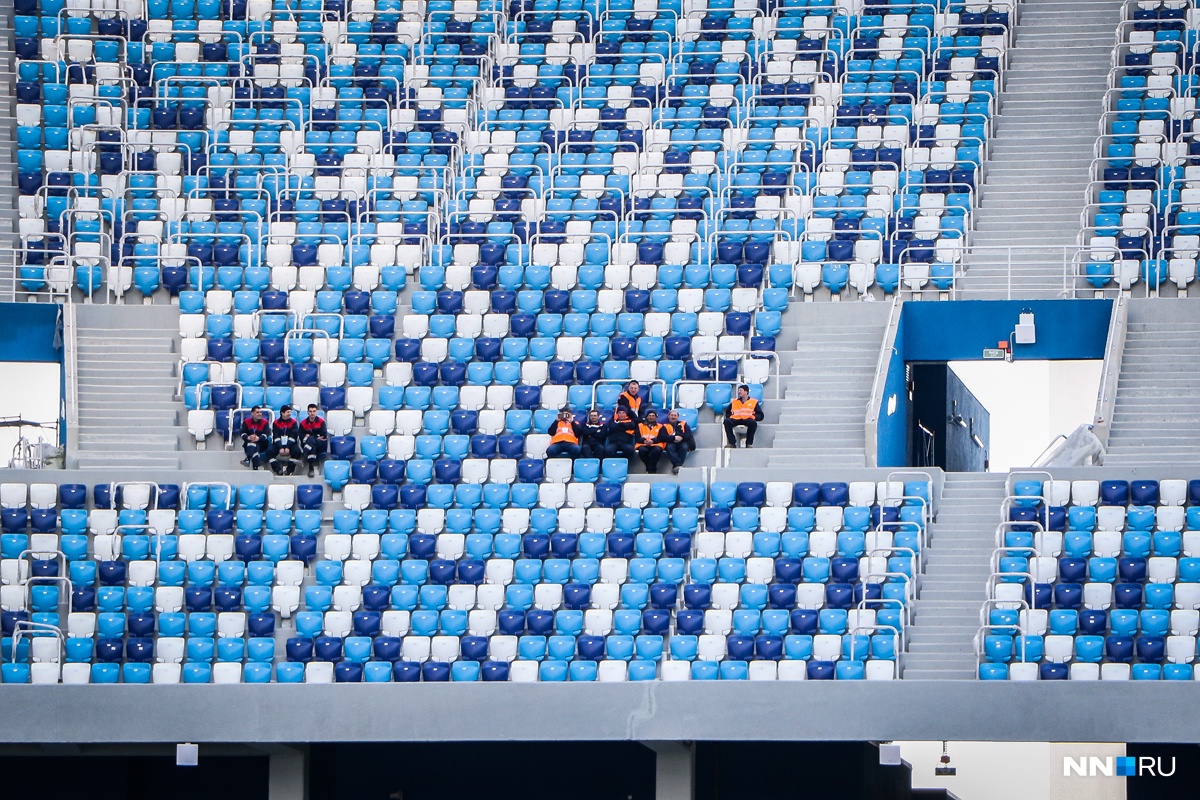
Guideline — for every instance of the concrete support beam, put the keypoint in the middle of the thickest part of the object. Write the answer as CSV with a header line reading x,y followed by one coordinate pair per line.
x,y
288,775
675,770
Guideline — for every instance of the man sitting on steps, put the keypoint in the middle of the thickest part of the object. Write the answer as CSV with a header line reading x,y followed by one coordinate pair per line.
x,y
744,412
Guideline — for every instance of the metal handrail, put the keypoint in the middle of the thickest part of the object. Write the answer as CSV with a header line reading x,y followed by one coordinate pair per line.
x,y
1114,353
875,402
71,374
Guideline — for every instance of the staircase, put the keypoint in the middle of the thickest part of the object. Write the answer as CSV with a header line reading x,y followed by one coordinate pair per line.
x,y
126,366
1156,418
827,382
954,585
1040,155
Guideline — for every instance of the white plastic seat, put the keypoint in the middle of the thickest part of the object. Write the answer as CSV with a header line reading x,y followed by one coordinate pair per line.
x,y
600,520
281,496
710,545
1169,518
498,571
289,573
772,520
503,648
822,543
614,570
725,596
1187,596
635,495
168,599
285,600
395,623
201,423
862,493
231,624
489,597
1085,493
547,596
523,672
779,494
1172,492
1097,596
739,544
710,647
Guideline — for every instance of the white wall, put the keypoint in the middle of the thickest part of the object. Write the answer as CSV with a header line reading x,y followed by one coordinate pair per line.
x,y
1007,770
1030,403
31,392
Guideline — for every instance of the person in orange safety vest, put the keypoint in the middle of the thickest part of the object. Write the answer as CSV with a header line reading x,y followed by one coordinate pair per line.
x,y
744,412
565,434
631,401
651,441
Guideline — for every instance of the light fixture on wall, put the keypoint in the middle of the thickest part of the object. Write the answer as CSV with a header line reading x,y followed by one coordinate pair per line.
x,y
955,417
1025,332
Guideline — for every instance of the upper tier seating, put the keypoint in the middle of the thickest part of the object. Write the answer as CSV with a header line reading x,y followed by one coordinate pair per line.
x,y
323,147
1094,580
1141,223
577,581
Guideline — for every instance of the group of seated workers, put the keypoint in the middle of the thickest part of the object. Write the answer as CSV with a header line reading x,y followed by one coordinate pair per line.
x,y
284,443
634,430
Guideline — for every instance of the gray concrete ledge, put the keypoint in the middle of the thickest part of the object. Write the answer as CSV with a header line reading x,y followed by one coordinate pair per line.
x,y
657,711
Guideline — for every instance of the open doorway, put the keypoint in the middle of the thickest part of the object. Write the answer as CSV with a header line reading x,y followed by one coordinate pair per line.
x,y
993,416
1030,404
30,412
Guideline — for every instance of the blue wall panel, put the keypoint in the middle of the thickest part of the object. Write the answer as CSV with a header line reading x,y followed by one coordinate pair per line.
x,y
893,411
959,331
28,332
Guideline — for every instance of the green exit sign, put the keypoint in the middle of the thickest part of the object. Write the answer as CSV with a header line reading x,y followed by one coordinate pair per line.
x,y
993,352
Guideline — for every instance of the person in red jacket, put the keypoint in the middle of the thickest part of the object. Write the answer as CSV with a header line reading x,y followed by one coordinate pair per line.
x,y
285,438
314,439
256,439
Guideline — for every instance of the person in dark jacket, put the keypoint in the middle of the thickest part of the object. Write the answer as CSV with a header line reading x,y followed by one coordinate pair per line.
x,y
651,441
565,436
681,440
314,439
594,433
744,412
622,432
285,443
631,401
256,439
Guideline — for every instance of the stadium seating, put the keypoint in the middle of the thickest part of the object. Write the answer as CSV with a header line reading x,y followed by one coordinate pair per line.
x,y
1141,219
674,581
1094,580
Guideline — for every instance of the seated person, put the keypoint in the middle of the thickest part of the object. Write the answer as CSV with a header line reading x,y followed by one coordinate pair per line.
x,y
744,412
256,439
285,443
594,432
619,441
681,440
314,439
651,441
565,435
